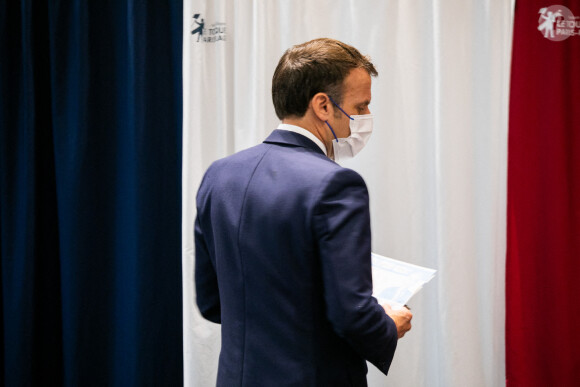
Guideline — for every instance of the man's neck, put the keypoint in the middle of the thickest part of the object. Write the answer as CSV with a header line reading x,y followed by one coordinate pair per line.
x,y
316,128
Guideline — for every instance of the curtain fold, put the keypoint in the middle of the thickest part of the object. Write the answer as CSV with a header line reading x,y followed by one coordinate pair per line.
x,y
543,265
30,267
90,192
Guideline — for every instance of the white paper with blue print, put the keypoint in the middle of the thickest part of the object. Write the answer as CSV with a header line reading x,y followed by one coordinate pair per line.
x,y
395,282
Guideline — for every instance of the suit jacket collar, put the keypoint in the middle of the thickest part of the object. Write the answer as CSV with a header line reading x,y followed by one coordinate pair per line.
x,y
286,137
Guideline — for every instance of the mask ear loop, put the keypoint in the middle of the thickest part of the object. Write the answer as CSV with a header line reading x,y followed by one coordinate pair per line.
x,y
335,104
331,131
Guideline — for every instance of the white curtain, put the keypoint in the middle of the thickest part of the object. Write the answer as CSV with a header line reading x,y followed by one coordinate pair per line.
x,y
435,165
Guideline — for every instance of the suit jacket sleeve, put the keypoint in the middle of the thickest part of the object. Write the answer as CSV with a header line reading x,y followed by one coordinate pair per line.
x,y
206,283
341,221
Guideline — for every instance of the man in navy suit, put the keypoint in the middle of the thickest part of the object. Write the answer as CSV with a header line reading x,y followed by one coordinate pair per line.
x,y
283,239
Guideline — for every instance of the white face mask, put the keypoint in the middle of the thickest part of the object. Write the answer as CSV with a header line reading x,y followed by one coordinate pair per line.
x,y
361,128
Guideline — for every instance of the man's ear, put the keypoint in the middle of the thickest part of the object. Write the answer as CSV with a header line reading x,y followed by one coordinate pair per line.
x,y
322,106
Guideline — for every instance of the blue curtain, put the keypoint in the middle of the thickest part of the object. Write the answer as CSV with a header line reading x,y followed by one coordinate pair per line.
x,y
90,190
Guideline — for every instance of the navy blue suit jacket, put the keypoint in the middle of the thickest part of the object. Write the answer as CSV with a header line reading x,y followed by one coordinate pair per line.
x,y
283,246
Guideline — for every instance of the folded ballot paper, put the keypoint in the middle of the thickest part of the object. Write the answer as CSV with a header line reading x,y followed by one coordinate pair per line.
x,y
395,282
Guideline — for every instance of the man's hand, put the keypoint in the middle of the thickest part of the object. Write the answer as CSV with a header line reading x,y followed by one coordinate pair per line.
x,y
402,318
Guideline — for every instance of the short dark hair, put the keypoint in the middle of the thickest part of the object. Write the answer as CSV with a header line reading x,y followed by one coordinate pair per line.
x,y
320,65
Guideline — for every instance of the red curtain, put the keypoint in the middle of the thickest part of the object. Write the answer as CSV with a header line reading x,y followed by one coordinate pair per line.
x,y
543,252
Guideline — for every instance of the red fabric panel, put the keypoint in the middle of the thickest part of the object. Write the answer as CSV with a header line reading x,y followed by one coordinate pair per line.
x,y
543,240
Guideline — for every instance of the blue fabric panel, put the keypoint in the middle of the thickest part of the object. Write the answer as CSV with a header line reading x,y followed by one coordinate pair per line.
x,y
90,189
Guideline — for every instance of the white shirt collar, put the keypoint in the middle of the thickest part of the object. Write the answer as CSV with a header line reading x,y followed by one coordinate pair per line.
x,y
305,133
